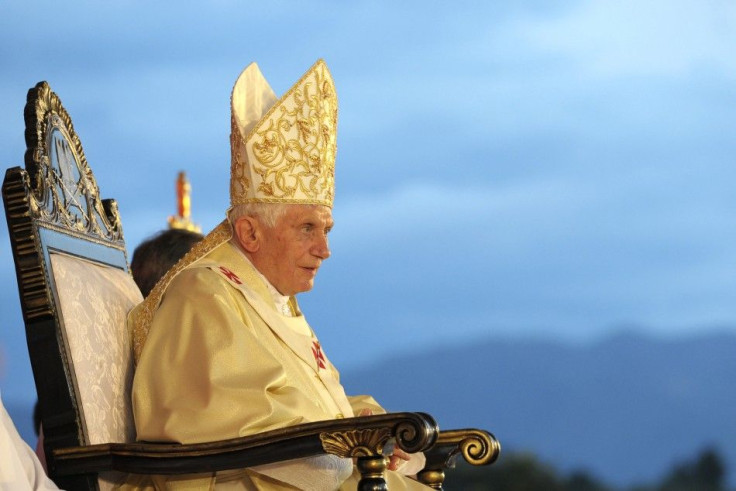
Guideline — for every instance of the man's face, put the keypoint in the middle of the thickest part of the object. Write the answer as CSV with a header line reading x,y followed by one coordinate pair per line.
x,y
292,251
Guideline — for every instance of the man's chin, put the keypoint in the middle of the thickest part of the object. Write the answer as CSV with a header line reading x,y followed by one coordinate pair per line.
x,y
306,287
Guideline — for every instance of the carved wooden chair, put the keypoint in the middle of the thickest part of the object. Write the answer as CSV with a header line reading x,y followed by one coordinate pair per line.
x,y
76,290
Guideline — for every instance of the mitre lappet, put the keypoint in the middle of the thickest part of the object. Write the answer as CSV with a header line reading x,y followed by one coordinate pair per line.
x,y
282,151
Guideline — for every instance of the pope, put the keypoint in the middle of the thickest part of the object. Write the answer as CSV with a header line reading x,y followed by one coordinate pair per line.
x,y
222,347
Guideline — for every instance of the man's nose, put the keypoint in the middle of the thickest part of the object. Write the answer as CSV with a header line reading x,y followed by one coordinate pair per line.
x,y
321,248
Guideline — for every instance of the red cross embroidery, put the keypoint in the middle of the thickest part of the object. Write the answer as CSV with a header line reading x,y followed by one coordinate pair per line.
x,y
231,276
318,356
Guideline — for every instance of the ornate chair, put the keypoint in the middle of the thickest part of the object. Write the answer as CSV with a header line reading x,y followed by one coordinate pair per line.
x,y
75,291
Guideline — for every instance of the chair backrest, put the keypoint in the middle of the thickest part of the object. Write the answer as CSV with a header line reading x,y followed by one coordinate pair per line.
x,y
75,287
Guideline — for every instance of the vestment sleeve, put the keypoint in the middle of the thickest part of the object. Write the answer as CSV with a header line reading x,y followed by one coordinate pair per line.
x,y
365,402
19,466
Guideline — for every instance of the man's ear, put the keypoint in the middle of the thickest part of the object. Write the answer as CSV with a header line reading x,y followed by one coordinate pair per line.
x,y
247,231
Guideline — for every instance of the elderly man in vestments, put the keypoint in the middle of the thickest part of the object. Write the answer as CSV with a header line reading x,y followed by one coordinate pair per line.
x,y
222,347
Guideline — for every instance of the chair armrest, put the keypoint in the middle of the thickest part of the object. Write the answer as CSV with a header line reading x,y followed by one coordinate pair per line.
x,y
363,437
478,447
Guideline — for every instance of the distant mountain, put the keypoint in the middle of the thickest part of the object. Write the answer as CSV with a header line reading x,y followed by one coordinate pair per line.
x,y
624,409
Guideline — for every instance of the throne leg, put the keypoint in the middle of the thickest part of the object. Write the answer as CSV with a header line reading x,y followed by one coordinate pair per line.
x,y
371,473
432,478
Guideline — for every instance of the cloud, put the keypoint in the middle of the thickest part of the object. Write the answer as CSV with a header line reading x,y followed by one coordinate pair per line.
x,y
534,255
510,167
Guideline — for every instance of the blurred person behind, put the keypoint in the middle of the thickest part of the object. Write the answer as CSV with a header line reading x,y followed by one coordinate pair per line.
x,y
156,255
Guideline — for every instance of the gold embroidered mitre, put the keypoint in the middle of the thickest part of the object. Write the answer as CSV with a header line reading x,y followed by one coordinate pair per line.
x,y
283,150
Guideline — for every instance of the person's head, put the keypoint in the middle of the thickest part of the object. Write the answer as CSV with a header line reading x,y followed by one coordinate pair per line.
x,y
157,254
282,174
285,242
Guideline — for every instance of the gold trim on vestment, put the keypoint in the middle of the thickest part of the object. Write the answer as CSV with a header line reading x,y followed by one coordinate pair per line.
x,y
141,317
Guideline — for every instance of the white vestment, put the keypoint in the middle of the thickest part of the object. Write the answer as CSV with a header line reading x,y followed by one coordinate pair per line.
x,y
20,469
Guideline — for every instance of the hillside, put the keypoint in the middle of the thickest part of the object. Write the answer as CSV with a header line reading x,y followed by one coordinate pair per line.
x,y
624,408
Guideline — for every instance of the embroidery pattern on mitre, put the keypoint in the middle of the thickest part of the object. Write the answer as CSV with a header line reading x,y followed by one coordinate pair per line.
x,y
289,156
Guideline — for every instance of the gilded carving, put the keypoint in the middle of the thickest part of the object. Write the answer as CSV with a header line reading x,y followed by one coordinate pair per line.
x,y
478,447
356,443
64,191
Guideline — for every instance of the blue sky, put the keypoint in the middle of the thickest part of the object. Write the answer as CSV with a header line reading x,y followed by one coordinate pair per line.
x,y
522,169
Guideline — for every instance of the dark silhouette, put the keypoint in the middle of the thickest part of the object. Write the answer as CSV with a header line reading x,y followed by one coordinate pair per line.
x,y
517,471
157,254
706,473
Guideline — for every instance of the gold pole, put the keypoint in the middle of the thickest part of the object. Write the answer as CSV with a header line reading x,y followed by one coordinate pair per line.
x,y
182,219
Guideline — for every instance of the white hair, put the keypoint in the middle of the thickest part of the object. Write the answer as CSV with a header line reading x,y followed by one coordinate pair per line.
x,y
267,213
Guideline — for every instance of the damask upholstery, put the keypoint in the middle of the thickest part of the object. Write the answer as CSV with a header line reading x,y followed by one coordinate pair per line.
x,y
95,300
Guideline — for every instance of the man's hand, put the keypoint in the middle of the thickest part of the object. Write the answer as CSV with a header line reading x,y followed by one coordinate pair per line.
x,y
397,459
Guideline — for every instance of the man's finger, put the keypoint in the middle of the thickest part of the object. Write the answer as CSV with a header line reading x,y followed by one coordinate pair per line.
x,y
394,463
401,454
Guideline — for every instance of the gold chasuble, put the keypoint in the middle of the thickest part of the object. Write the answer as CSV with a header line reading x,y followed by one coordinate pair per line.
x,y
221,362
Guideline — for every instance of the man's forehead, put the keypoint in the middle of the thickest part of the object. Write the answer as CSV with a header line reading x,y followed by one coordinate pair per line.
x,y
315,212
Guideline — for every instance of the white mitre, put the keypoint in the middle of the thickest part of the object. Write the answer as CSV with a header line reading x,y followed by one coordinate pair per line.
x,y
283,150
